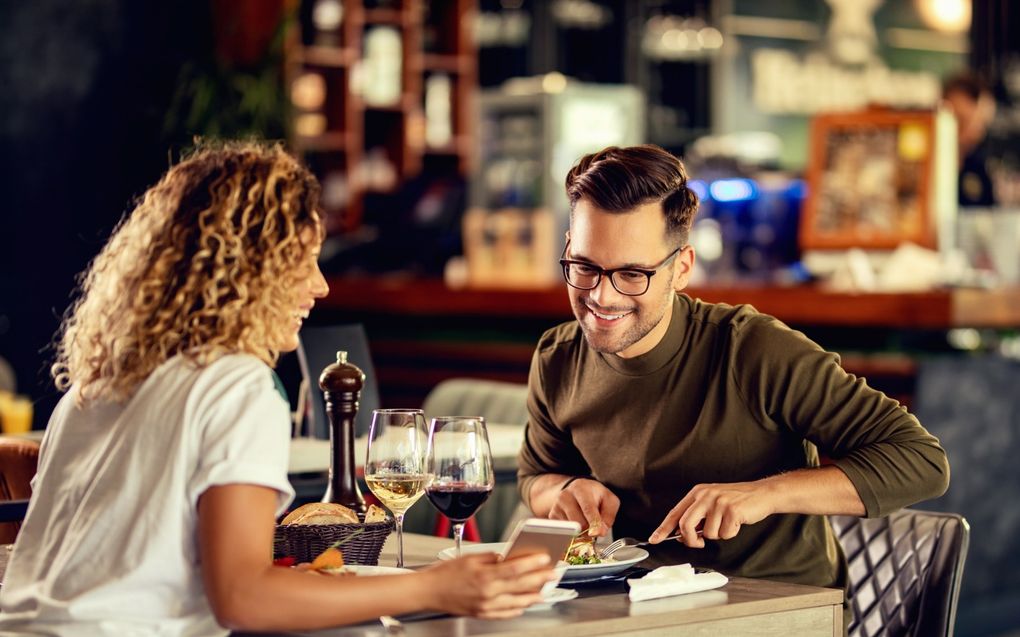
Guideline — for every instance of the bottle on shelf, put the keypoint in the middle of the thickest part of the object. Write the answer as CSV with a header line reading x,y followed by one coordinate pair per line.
x,y
381,68
327,16
438,106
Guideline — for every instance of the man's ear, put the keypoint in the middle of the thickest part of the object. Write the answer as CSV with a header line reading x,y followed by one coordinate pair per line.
x,y
683,266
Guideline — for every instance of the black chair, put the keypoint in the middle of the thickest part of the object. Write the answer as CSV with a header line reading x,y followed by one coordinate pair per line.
x,y
905,571
13,510
319,345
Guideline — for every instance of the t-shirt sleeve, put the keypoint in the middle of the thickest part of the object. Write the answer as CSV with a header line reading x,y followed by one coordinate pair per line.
x,y
546,448
793,383
244,436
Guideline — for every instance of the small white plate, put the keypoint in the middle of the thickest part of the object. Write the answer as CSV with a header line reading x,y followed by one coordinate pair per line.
x,y
556,596
622,560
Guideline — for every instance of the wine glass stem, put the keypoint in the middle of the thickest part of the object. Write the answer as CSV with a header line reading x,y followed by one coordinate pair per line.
x,y
458,535
399,519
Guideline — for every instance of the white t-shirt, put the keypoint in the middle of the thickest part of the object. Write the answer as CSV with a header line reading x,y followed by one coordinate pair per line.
x,y
109,546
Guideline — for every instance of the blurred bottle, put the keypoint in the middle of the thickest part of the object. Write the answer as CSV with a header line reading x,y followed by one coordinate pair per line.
x,y
438,110
327,16
15,413
381,84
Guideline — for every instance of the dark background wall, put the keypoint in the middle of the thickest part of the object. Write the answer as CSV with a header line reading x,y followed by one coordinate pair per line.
x,y
84,89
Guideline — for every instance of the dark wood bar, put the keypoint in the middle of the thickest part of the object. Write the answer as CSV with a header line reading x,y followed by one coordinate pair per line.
x,y
421,331
798,305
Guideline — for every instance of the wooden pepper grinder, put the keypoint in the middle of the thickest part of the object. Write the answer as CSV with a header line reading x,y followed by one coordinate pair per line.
x,y
341,384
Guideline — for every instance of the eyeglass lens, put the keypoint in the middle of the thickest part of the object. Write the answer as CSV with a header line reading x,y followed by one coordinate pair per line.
x,y
630,282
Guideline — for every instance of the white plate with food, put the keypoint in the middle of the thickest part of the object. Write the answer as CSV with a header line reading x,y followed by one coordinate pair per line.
x,y
620,561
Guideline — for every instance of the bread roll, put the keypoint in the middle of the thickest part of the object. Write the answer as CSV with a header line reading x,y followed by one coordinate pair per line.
x,y
375,514
321,513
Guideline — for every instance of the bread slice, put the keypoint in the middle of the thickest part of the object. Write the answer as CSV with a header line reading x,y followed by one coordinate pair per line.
x,y
375,514
321,513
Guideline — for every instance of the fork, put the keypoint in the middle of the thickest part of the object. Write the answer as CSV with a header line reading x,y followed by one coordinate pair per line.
x,y
629,541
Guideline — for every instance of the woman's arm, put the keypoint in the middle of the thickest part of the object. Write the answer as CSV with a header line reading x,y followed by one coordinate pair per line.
x,y
247,592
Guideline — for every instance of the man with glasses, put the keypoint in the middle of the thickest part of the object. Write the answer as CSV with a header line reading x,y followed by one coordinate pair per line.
x,y
655,414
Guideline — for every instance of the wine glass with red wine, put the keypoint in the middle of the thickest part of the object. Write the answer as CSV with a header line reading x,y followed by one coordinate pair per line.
x,y
460,469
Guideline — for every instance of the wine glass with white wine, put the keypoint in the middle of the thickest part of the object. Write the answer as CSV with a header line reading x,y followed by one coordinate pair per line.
x,y
395,466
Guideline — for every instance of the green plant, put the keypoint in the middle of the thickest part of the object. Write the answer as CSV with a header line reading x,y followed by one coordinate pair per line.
x,y
216,98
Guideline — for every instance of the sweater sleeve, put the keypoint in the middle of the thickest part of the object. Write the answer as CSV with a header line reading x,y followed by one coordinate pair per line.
x,y
790,382
547,448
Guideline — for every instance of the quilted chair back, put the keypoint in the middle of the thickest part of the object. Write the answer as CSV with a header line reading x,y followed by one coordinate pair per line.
x,y
498,402
905,571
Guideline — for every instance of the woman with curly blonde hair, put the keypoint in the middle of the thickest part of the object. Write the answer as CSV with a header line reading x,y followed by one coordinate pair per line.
x,y
164,466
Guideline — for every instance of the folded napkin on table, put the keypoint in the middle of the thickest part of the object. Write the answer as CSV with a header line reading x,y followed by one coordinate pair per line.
x,y
673,580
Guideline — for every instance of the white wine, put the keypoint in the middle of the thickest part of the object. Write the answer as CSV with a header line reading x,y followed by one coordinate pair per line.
x,y
398,491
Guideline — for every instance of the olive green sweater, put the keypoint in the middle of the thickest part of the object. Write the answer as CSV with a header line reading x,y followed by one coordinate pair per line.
x,y
728,395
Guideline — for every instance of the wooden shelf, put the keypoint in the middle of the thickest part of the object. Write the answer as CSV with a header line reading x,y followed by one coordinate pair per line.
x,y
445,62
806,305
399,107
332,142
458,146
392,17
356,126
325,56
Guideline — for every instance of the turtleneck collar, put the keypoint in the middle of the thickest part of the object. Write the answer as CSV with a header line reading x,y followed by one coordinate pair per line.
x,y
664,351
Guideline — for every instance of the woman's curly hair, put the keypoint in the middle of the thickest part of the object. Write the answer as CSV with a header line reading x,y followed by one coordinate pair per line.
x,y
205,265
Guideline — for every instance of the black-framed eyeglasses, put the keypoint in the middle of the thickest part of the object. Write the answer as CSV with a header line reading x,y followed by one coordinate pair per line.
x,y
628,281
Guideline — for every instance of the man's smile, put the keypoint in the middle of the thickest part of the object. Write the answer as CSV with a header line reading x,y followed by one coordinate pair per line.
x,y
607,314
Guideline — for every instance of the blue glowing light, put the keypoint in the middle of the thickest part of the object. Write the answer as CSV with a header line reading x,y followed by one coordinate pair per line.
x,y
699,188
797,189
733,190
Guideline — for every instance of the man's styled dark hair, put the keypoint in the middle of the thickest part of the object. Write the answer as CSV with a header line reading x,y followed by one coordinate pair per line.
x,y
620,179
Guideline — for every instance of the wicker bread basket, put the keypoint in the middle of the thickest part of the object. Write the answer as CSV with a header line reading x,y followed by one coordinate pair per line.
x,y
304,542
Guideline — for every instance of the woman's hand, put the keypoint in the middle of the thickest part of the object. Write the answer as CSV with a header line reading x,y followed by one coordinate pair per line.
x,y
483,586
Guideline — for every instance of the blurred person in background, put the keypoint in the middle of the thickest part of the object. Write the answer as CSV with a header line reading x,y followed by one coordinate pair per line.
x,y
164,465
973,104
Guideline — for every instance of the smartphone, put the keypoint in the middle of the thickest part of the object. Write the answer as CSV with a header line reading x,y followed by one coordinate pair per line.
x,y
537,535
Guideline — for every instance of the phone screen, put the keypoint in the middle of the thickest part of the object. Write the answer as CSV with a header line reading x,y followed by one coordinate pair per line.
x,y
536,535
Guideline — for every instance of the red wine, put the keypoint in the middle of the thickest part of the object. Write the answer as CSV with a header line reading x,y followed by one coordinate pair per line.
x,y
458,501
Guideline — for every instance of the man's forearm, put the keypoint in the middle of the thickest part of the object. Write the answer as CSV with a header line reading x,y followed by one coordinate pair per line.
x,y
818,491
544,491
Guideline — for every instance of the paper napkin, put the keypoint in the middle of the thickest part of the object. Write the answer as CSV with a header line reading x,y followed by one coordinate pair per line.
x,y
666,581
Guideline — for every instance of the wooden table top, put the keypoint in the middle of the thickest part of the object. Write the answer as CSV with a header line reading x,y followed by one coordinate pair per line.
x,y
597,611
601,610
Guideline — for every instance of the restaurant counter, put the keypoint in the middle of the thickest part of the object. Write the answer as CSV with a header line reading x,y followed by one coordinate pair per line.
x,y
422,332
795,305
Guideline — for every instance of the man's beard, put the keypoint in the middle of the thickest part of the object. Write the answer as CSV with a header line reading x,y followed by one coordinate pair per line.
x,y
641,323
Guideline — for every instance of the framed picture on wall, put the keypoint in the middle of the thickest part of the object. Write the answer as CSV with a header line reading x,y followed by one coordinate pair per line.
x,y
870,181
